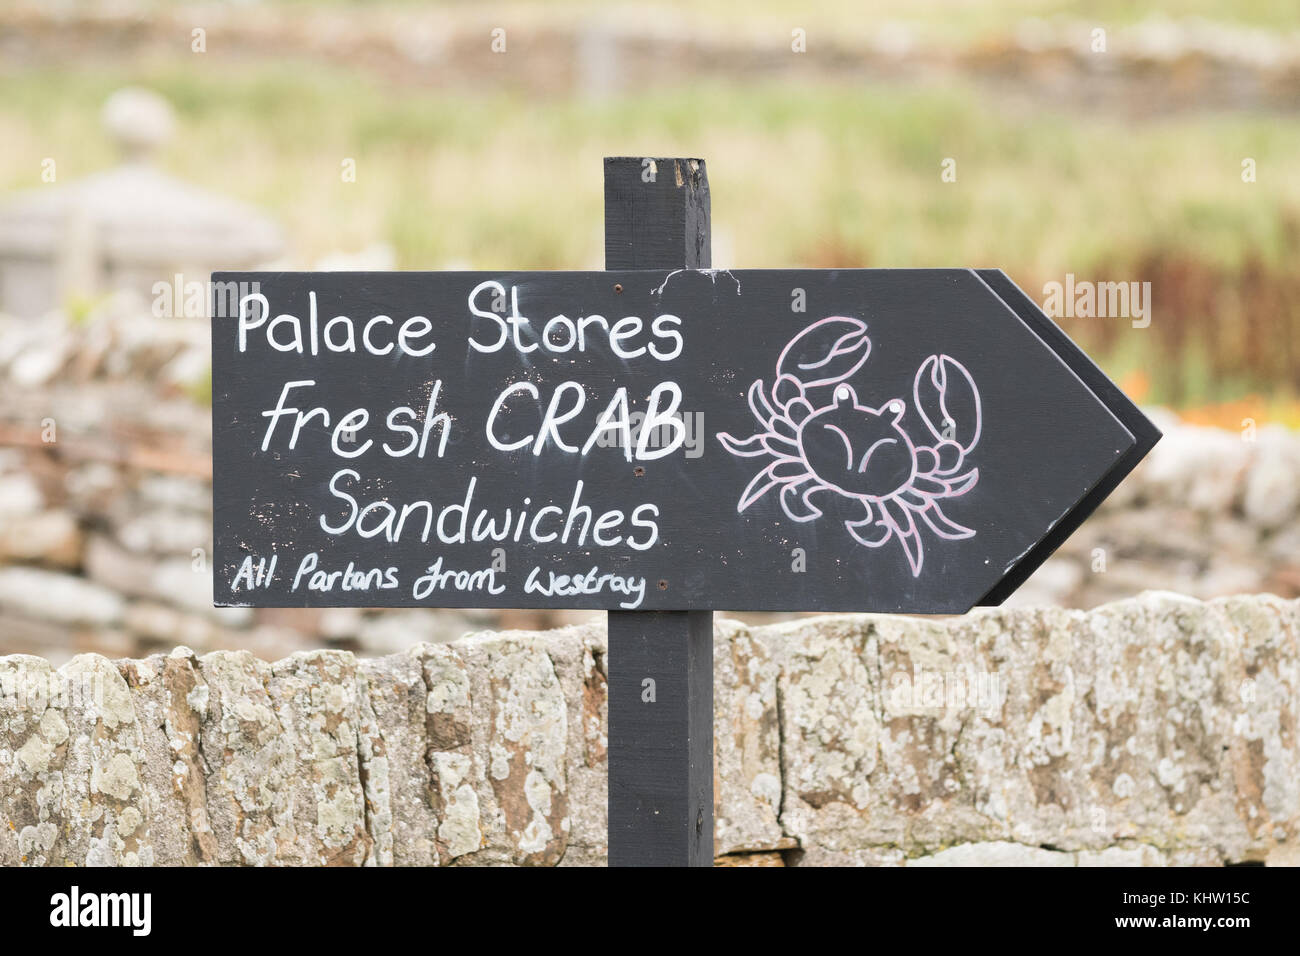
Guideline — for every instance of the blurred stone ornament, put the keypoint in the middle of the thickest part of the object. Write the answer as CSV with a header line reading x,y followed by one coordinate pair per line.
x,y
126,228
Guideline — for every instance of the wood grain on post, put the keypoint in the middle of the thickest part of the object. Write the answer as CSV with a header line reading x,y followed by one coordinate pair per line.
x,y
660,663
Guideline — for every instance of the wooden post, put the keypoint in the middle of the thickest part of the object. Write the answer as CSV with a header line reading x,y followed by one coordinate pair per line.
x,y
660,733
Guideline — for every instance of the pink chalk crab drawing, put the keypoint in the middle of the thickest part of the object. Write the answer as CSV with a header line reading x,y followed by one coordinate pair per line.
x,y
821,439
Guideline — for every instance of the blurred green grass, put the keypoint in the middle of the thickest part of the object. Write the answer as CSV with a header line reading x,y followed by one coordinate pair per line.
x,y
959,19
802,174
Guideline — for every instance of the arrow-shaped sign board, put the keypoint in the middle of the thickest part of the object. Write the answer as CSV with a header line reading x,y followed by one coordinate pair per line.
x,y
865,440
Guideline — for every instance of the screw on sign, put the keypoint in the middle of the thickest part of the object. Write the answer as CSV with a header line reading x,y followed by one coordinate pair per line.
x,y
656,441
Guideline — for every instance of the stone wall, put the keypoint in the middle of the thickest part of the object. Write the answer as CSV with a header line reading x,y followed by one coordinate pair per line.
x,y
1160,730
1218,64
106,522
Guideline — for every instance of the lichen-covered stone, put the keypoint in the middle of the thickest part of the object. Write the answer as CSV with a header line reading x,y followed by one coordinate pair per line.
x,y
578,656
1156,731
33,749
995,853
392,744
521,746
107,811
452,765
1161,720
250,759
316,702
747,744
169,695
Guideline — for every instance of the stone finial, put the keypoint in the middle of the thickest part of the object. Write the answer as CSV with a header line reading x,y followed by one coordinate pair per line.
x,y
138,120
126,227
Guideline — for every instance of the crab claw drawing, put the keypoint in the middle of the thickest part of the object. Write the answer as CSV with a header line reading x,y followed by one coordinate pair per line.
x,y
828,351
949,403
827,441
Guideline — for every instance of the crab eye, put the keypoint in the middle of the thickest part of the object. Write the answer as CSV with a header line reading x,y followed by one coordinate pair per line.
x,y
896,406
842,393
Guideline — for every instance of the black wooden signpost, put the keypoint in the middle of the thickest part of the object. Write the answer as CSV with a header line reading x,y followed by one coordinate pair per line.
x,y
660,732
658,440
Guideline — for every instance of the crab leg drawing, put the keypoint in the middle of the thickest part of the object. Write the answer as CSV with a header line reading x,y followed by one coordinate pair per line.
x,y
818,437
